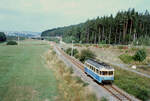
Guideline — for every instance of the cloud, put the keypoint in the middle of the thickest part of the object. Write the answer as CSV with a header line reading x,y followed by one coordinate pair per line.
x,y
39,15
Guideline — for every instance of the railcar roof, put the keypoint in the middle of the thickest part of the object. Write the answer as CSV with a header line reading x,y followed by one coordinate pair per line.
x,y
98,64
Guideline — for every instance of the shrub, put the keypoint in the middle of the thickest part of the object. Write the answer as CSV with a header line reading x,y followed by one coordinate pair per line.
x,y
79,80
77,56
126,58
126,51
104,99
87,45
12,43
134,49
125,47
100,46
140,55
70,70
143,40
142,94
2,37
68,51
92,97
106,46
122,47
102,42
53,39
75,51
86,54
53,52
78,45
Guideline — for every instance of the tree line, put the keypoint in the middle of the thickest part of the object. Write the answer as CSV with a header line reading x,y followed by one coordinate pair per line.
x,y
2,37
123,28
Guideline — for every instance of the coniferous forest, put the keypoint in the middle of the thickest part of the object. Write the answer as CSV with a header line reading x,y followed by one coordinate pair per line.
x,y
123,28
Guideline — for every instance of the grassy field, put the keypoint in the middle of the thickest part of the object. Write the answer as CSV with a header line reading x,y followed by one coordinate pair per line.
x,y
24,75
133,83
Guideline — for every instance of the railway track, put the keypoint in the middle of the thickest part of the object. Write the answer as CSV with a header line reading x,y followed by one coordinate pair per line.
x,y
110,88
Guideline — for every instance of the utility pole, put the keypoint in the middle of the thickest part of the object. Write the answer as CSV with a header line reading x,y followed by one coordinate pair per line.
x,y
72,49
18,38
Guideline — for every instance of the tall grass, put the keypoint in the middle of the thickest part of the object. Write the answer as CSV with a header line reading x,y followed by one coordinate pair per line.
x,y
71,88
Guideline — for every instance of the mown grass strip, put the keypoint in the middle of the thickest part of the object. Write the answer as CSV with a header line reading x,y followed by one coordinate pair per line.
x,y
23,74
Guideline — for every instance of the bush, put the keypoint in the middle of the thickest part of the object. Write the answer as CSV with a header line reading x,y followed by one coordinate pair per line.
x,y
75,51
126,58
86,54
68,51
53,39
79,80
12,43
77,56
87,45
2,37
104,99
122,47
143,94
143,40
106,46
140,55
102,42
70,70
78,45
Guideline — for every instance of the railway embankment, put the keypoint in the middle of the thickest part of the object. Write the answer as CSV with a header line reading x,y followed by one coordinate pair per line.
x,y
70,87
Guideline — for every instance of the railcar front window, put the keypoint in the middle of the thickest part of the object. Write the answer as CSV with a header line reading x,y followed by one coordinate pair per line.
x,y
111,73
88,66
104,72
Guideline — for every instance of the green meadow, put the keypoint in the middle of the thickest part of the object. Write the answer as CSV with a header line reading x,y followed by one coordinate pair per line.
x,y
24,75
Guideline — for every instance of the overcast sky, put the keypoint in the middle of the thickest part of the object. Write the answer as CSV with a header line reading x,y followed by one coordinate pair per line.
x,y
39,15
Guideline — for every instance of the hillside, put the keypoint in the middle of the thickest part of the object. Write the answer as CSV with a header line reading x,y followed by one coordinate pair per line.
x,y
22,33
124,28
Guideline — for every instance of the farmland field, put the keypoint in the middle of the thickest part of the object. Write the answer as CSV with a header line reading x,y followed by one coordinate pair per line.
x,y
24,76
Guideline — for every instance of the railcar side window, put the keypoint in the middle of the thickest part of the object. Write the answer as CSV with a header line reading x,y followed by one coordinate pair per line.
x,y
100,73
88,66
97,71
94,69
